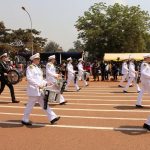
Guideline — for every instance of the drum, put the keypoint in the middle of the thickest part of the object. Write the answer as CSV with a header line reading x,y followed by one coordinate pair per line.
x,y
52,96
13,76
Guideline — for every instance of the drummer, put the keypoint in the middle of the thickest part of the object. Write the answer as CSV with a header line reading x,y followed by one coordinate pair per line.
x,y
4,68
52,77
35,83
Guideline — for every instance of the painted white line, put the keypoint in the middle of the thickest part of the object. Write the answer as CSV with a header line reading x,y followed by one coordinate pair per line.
x,y
77,127
77,117
82,99
92,110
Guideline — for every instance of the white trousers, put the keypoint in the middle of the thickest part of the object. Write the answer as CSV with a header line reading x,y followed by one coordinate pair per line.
x,y
139,98
31,102
71,78
81,76
124,77
131,79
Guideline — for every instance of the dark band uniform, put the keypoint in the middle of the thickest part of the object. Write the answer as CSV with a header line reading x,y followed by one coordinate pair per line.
x,y
4,68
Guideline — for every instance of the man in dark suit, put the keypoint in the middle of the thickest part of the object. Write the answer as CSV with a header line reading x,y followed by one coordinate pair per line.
x,y
4,68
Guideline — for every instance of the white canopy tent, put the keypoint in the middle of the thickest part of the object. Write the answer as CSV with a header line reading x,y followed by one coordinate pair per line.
x,y
122,56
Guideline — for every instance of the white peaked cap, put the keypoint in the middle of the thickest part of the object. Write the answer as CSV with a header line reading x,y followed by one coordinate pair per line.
x,y
69,59
52,57
146,56
37,55
4,54
80,59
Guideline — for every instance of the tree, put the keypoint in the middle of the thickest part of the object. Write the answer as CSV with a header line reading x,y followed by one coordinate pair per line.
x,y
17,40
53,47
114,28
78,47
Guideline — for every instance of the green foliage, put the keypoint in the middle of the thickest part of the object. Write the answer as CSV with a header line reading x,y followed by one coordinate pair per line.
x,y
114,28
53,47
19,39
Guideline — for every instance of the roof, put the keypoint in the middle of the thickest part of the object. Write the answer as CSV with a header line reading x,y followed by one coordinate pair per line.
x,y
122,56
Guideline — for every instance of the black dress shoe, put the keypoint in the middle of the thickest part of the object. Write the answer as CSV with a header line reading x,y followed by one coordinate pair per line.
x,y
138,91
120,86
15,101
125,91
130,85
78,89
146,126
139,106
63,103
55,120
26,123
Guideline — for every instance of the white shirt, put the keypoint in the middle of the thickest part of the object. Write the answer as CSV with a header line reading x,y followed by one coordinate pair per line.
x,y
125,69
80,69
132,70
35,79
51,73
70,69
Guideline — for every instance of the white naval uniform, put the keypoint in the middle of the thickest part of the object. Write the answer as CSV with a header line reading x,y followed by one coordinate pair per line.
x,y
81,73
145,80
51,76
124,72
35,80
71,76
145,67
132,76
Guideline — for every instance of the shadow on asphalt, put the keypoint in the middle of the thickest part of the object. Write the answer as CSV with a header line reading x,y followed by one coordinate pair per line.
x,y
137,130
5,102
122,92
11,124
130,107
18,124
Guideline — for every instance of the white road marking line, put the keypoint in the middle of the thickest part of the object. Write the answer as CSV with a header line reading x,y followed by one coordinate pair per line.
x,y
83,99
77,127
78,117
99,96
76,109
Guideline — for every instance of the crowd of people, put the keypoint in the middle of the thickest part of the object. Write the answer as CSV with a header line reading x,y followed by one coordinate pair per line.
x,y
132,72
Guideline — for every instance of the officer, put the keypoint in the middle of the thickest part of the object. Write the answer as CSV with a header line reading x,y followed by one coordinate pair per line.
x,y
81,71
124,72
52,77
144,81
4,68
35,84
71,75
132,76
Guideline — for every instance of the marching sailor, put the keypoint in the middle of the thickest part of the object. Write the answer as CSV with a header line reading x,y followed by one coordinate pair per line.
x,y
35,83
4,68
71,76
132,76
124,72
144,80
82,72
52,77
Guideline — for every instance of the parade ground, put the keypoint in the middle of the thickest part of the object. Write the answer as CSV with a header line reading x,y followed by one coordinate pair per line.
x,y
98,117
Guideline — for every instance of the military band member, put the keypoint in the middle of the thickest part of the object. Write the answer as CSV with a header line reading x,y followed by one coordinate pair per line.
x,y
35,80
4,68
144,80
81,71
71,75
52,77
132,77
124,72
